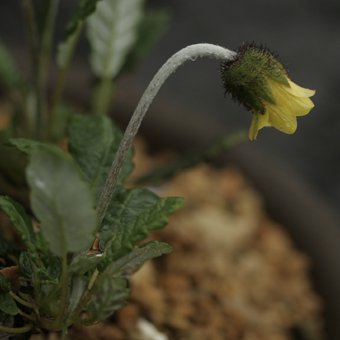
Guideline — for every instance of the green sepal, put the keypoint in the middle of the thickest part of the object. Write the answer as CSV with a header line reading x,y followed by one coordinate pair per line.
x,y
246,77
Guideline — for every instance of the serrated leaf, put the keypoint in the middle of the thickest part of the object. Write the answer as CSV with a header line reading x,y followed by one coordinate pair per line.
x,y
108,295
20,221
151,27
138,256
7,304
73,29
131,216
93,142
112,30
9,74
47,270
61,200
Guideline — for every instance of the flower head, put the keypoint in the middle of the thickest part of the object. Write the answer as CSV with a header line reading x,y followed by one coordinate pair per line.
x,y
260,82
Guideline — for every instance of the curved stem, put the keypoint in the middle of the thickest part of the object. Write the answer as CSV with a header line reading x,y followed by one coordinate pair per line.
x,y
22,301
16,330
189,53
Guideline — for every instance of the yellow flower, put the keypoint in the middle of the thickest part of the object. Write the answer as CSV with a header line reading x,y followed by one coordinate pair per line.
x,y
291,101
260,82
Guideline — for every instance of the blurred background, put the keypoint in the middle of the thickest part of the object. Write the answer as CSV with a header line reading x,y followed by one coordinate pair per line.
x,y
306,36
299,175
304,33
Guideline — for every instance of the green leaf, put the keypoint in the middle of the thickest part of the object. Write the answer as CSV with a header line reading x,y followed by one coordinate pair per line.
x,y
66,48
138,256
47,270
20,221
108,295
73,30
61,200
151,27
112,31
24,145
7,304
131,216
78,287
84,9
83,263
9,74
5,285
93,142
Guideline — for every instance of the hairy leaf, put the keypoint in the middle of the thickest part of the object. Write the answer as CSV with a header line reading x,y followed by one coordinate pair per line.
x,y
20,221
131,216
48,270
78,287
7,304
112,30
93,142
108,295
151,27
138,256
61,200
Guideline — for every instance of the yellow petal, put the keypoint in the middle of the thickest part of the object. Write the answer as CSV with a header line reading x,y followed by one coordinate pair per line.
x,y
299,91
296,106
258,122
288,102
281,119
301,106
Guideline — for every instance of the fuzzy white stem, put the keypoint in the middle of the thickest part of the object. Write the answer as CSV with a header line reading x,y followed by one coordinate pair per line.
x,y
189,53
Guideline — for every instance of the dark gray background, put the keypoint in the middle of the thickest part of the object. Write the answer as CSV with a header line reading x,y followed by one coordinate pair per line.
x,y
306,34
